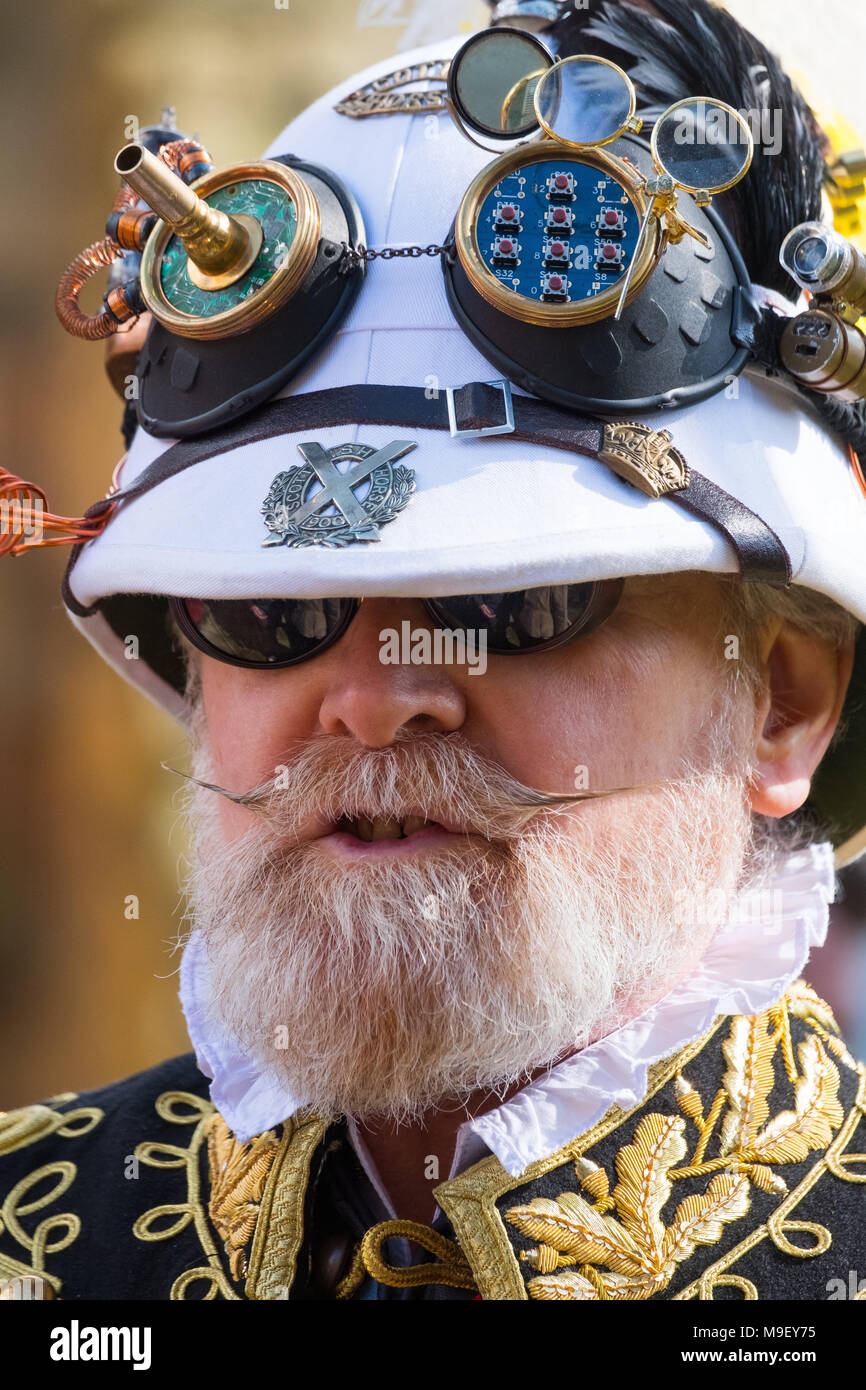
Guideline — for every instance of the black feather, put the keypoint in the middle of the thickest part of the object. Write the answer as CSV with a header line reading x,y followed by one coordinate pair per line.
x,y
694,48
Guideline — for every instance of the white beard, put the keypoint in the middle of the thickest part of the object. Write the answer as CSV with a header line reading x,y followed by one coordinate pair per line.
x,y
384,988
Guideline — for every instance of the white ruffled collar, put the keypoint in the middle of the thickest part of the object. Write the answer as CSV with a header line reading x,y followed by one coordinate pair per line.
x,y
752,959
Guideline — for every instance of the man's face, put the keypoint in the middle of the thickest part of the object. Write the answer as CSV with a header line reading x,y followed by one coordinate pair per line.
x,y
628,702
403,968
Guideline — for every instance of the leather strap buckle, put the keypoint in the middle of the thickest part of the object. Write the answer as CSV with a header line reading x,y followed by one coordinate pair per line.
x,y
506,428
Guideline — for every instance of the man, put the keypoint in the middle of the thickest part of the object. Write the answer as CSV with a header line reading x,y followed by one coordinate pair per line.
x,y
493,976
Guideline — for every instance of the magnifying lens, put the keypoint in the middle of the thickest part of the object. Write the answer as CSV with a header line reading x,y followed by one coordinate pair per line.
x,y
705,146
700,146
557,231
586,101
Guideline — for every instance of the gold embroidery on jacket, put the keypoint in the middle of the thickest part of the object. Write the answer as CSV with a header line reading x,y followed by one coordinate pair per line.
x,y
638,1250
183,1108
637,1253
18,1129
256,1198
780,1222
469,1201
237,1178
279,1230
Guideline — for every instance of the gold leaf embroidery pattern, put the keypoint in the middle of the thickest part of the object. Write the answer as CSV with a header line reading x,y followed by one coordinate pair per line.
x,y
699,1219
838,1160
749,1079
641,1253
638,1254
238,1173
790,1136
570,1226
644,1186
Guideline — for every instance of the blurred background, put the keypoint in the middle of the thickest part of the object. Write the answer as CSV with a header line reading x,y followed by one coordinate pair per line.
x,y
87,817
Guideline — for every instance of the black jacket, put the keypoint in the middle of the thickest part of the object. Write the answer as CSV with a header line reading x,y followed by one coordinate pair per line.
x,y
736,1175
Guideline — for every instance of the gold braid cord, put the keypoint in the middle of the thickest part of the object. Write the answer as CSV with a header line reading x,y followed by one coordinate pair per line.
x,y
185,1109
596,1244
454,1269
51,1233
354,1278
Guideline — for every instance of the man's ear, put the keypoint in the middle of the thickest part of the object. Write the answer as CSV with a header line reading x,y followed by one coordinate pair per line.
x,y
806,679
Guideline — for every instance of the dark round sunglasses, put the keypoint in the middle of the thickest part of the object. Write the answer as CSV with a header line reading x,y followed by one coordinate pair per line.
x,y
276,632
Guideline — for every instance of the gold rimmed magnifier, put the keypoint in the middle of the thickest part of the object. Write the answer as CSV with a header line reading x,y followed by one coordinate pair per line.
x,y
585,102
698,145
558,230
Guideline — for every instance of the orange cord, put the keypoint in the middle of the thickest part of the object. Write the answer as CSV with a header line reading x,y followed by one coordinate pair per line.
x,y
27,524
858,468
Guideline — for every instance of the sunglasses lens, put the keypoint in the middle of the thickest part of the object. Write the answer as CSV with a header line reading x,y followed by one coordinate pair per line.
x,y
269,631
531,618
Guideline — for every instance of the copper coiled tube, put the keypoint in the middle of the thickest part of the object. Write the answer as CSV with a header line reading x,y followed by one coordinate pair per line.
x,y
75,276
132,227
27,524
90,326
179,155
125,198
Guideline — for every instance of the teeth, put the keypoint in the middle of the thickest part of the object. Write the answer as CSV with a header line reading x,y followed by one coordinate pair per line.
x,y
380,828
413,823
385,830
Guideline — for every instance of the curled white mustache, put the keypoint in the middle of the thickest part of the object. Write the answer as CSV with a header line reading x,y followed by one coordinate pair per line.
x,y
437,776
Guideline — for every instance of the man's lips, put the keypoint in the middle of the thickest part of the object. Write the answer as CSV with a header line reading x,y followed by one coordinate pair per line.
x,y
376,828
366,837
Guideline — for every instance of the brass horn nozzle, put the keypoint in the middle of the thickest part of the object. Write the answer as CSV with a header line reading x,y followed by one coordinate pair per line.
x,y
220,247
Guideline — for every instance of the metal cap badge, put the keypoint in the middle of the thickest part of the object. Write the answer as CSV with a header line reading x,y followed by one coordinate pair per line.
x,y
333,515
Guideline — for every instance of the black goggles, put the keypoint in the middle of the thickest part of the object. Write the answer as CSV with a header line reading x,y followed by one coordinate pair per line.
x,y
277,632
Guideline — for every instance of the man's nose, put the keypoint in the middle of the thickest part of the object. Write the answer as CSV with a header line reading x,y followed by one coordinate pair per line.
x,y
373,700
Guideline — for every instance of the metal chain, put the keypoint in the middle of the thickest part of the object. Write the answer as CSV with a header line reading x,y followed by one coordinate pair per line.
x,y
353,256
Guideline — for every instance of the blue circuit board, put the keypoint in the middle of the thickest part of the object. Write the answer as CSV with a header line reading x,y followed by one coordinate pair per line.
x,y
557,231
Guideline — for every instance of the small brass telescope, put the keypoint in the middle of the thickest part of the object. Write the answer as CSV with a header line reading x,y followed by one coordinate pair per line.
x,y
221,248
824,348
826,265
